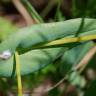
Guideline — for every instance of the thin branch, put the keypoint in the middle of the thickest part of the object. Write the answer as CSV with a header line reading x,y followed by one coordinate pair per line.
x,y
19,6
34,14
48,8
86,58
83,62
56,85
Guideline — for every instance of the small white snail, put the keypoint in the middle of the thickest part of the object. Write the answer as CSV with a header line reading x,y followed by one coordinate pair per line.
x,y
5,55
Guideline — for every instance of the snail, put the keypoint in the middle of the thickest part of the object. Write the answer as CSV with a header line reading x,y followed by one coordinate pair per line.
x,y
5,55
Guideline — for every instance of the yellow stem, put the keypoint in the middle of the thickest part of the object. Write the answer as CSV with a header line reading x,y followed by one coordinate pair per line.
x,y
18,74
70,40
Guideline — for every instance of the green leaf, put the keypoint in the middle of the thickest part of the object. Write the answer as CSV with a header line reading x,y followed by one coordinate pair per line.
x,y
24,39
73,56
42,33
30,61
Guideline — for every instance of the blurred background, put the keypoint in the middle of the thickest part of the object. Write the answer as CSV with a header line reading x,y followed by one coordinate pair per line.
x,y
15,13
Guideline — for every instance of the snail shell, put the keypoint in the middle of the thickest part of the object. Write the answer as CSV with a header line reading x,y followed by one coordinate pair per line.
x,y
5,55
